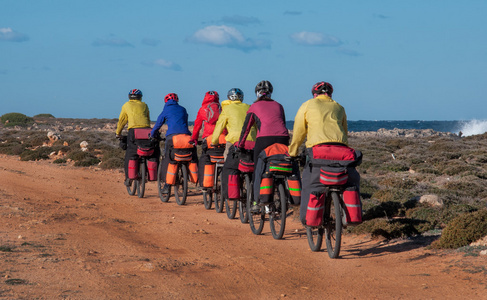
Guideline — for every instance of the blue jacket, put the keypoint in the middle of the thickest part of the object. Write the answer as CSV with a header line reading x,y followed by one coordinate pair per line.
x,y
176,118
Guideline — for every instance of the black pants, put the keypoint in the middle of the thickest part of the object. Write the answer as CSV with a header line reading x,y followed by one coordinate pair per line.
x,y
230,167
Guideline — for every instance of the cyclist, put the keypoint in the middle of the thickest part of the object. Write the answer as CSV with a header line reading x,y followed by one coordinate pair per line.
x,y
134,114
206,118
269,117
231,119
176,118
320,120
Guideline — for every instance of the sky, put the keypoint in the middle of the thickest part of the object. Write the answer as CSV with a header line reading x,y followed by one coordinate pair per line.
x,y
387,60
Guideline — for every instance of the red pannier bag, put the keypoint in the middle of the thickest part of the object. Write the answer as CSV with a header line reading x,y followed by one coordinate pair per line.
x,y
234,186
266,188
353,205
246,166
152,170
133,171
314,212
330,176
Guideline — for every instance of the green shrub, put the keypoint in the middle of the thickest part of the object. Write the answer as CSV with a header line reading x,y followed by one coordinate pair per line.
x,y
393,194
16,119
463,230
37,154
44,116
112,163
388,229
86,162
59,161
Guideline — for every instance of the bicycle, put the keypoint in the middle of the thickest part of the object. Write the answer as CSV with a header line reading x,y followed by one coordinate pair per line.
x,y
216,160
334,217
246,168
276,184
180,170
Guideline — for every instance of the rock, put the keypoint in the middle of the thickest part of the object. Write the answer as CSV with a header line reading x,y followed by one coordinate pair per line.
x,y
432,200
483,252
84,146
52,136
481,242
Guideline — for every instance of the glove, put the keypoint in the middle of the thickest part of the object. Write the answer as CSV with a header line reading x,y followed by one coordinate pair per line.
x,y
118,136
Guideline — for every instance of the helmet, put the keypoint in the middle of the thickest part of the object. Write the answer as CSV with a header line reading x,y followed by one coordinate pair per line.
x,y
172,96
213,93
322,88
235,94
263,88
135,94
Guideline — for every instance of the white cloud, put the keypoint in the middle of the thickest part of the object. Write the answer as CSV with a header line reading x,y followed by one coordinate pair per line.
x,y
315,39
226,36
111,42
9,35
165,64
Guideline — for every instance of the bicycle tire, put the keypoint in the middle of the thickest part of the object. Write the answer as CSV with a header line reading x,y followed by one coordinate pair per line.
x,y
219,201
208,198
242,204
231,206
333,225
142,178
277,216
181,186
160,185
315,237
256,219
132,188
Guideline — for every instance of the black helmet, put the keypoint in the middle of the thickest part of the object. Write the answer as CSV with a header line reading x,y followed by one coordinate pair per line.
x,y
322,88
264,89
135,94
235,94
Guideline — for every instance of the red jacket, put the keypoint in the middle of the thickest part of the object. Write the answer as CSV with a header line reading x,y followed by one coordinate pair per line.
x,y
208,115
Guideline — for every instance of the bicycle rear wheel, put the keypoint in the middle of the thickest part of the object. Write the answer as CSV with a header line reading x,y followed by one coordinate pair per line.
x,y
333,224
277,216
208,198
142,178
315,237
219,201
160,185
181,186
242,204
256,219
132,188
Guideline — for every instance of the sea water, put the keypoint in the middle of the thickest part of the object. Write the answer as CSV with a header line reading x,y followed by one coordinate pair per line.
x,y
467,127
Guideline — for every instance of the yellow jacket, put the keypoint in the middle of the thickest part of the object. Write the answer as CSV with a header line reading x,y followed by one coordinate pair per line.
x,y
320,120
232,118
135,113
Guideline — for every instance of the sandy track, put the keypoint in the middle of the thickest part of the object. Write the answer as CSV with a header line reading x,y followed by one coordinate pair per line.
x,y
75,233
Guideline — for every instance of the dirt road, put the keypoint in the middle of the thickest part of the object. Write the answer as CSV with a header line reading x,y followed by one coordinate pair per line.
x,y
74,233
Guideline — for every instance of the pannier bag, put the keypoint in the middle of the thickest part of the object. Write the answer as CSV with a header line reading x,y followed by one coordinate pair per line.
x,y
353,205
217,159
181,141
246,166
133,171
329,176
182,155
234,186
142,133
152,170
294,189
209,175
280,166
193,172
314,212
266,188
145,151
171,173
221,141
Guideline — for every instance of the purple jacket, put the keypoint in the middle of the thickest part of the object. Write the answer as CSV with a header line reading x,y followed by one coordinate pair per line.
x,y
268,116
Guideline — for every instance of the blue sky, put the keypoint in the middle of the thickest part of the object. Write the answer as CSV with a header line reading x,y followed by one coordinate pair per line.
x,y
387,60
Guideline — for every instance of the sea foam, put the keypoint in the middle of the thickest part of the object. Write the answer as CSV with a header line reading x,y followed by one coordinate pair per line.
x,y
473,127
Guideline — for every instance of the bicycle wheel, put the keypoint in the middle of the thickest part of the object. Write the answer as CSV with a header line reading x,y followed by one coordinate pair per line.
x,y
160,185
242,204
219,201
132,188
256,219
333,225
208,198
181,186
231,208
315,237
277,216
141,179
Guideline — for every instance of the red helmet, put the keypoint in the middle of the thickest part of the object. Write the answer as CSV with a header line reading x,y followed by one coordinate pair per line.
x,y
322,88
172,96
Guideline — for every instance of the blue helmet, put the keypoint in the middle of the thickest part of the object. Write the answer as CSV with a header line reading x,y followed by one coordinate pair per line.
x,y
235,94
135,94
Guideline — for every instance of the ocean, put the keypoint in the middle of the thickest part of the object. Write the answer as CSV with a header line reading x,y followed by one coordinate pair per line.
x,y
470,127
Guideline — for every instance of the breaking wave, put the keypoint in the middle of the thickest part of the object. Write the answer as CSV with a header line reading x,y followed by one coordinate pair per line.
x,y
473,127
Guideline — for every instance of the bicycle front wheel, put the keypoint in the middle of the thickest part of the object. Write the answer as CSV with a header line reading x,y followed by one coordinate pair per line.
x,y
256,219
219,201
333,224
132,188
181,186
277,216
207,198
160,185
242,204
231,208
315,237
141,179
